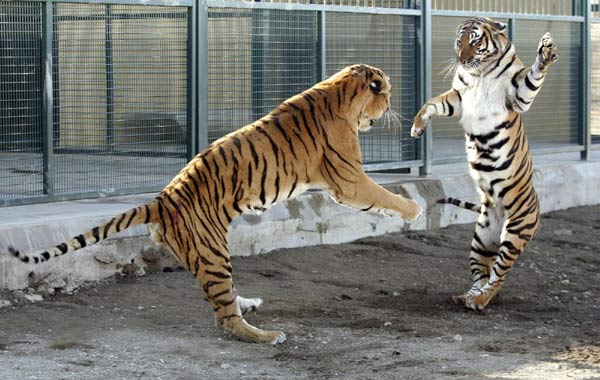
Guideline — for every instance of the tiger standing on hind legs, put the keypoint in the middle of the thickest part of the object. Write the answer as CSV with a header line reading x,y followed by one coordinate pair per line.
x,y
309,141
490,90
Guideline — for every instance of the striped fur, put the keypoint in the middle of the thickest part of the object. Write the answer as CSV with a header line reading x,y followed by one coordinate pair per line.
x,y
490,90
462,204
309,141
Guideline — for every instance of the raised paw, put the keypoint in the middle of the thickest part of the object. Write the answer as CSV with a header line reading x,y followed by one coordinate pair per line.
x,y
248,304
418,128
546,52
412,210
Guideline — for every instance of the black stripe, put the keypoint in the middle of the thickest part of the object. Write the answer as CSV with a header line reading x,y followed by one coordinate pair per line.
x,y
253,152
131,216
218,274
499,144
507,66
107,228
249,175
81,240
502,56
263,178
285,136
293,187
45,255
273,144
147,219
514,78
450,109
223,155
95,234
62,247
530,85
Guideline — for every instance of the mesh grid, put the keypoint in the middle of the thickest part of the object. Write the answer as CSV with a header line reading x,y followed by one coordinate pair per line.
x,y
554,118
595,101
448,135
257,59
393,4
20,99
389,43
537,7
120,96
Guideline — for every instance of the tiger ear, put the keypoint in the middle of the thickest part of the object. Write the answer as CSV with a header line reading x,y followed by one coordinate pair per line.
x,y
500,26
357,70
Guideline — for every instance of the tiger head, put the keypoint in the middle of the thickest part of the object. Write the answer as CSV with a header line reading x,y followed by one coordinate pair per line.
x,y
364,92
478,41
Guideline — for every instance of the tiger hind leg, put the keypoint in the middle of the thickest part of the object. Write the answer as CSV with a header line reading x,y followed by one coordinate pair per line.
x,y
484,252
216,281
515,236
249,304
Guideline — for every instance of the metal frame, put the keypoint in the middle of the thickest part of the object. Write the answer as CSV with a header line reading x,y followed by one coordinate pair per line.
x,y
198,66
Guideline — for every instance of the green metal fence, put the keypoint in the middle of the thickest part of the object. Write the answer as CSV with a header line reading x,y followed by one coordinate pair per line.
x,y
114,96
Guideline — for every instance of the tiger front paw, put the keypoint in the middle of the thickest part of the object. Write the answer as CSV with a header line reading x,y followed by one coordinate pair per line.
x,y
546,52
418,127
412,210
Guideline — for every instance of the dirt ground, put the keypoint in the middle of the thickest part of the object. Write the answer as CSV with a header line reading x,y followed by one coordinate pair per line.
x,y
378,308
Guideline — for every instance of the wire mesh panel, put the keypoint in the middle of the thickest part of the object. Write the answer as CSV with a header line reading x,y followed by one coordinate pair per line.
x,y
538,7
595,100
389,43
120,96
555,116
394,4
20,99
257,59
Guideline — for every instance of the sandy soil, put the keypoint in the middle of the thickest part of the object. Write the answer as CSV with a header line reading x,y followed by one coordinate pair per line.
x,y
378,308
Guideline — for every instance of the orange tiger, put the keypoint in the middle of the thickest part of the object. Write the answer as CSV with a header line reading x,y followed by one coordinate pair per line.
x,y
309,141
490,90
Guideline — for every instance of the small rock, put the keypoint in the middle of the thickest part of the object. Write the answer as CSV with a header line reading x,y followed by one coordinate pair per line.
x,y
565,282
28,297
5,303
387,324
225,366
457,338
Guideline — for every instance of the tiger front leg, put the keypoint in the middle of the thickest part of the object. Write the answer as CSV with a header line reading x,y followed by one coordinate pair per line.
x,y
527,84
366,195
446,104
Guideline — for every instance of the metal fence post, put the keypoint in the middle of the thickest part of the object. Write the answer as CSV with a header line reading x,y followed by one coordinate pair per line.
x,y
47,98
586,82
425,82
201,74
321,46
192,83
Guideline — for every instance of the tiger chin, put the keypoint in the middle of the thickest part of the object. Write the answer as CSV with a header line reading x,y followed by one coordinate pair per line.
x,y
309,141
490,90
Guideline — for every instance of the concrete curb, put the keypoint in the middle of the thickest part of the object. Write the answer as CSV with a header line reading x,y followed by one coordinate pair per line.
x,y
310,219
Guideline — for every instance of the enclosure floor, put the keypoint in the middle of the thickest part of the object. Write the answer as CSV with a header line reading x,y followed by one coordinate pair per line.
x,y
378,308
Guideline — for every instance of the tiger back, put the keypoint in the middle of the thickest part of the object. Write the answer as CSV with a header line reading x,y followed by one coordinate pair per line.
x,y
309,141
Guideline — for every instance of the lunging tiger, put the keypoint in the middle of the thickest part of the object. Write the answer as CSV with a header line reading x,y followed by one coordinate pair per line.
x,y
490,90
309,141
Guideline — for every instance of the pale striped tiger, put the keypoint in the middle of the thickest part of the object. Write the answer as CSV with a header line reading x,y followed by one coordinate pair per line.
x,y
309,141
490,90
